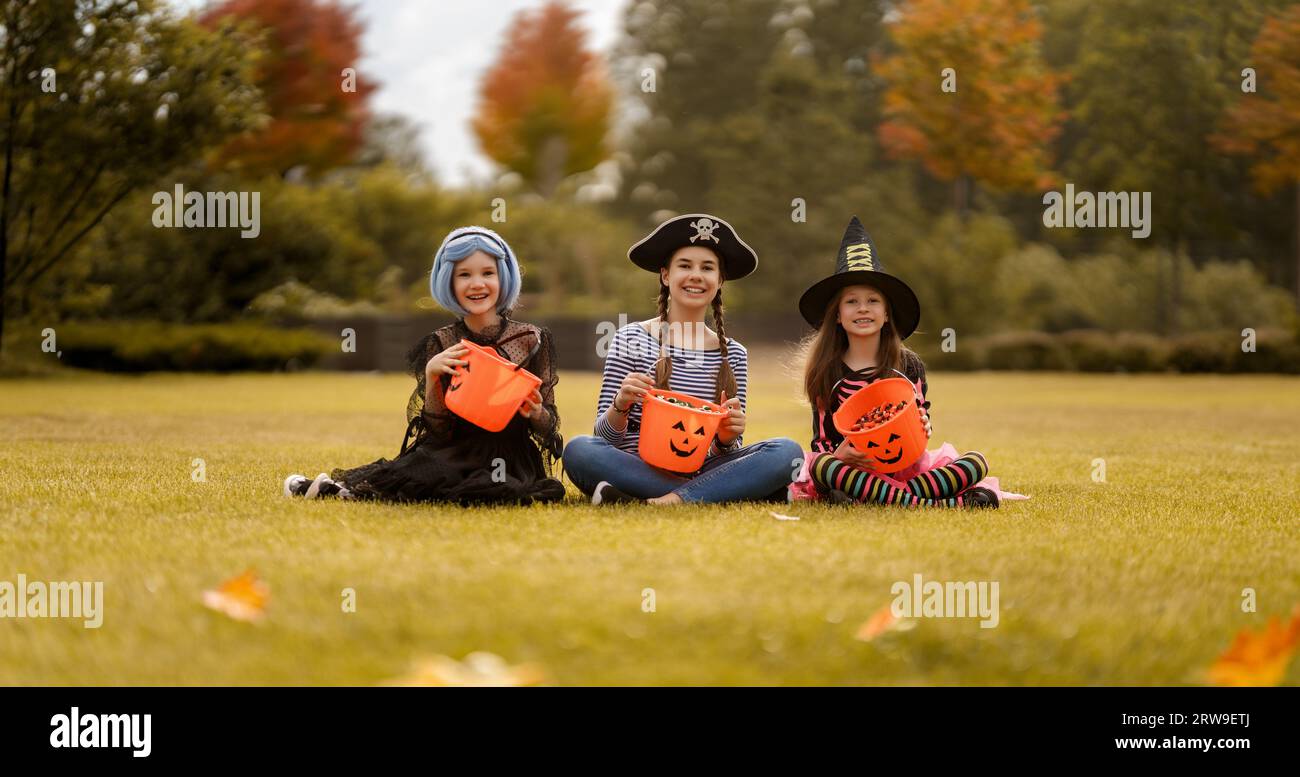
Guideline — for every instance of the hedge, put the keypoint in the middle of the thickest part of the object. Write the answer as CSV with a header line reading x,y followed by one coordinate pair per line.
x,y
141,346
1275,351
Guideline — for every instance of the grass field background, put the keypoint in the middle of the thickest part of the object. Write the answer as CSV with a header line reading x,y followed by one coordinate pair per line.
x,y
1137,580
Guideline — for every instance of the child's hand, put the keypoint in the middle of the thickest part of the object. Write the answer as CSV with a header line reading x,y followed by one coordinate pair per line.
x,y
733,424
633,390
925,419
448,362
852,456
532,408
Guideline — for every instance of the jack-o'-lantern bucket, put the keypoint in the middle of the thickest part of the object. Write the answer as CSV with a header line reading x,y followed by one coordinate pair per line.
x,y
677,429
882,421
488,390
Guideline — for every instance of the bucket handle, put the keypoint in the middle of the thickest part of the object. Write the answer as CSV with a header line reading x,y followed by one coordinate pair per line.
x,y
536,347
915,393
903,375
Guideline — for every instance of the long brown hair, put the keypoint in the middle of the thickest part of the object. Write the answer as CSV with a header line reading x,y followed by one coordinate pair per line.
x,y
726,378
824,351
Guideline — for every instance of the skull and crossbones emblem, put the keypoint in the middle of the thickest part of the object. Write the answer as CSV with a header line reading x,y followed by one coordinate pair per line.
x,y
704,230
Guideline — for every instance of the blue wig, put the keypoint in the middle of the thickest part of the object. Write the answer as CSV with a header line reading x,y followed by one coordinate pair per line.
x,y
463,242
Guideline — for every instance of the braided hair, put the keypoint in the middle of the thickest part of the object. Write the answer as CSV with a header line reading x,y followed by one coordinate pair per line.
x,y
726,378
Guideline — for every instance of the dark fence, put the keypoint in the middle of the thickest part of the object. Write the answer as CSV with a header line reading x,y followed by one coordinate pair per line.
x,y
383,341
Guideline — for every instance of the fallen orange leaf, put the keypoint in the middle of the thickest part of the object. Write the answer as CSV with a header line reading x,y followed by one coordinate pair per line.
x,y
478,670
881,621
1258,658
242,598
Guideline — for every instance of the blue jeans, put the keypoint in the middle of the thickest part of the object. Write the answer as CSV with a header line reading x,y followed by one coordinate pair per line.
x,y
752,472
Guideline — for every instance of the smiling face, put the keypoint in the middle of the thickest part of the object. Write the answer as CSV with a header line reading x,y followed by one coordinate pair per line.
x,y
887,451
683,441
862,310
476,284
693,277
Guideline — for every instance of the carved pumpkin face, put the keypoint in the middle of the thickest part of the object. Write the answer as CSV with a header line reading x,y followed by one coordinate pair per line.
x,y
459,377
886,451
682,441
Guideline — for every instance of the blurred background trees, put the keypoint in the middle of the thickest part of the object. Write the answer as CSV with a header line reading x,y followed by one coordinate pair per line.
x,y
98,100
785,117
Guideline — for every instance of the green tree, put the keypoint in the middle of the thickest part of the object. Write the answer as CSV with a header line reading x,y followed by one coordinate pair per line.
x,y
686,65
764,113
100,98
1151,81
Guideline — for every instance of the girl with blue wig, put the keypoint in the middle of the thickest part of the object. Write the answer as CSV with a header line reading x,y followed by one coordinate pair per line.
x,y
444,457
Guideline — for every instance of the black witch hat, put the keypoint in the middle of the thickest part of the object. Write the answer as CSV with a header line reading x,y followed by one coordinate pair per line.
x,y
695,229
858,264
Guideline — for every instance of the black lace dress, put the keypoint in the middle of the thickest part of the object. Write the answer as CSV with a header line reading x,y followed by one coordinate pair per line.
x,y
446,458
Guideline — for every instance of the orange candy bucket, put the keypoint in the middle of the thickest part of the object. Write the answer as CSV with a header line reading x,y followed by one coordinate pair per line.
x,y
895,444
488,390
676,437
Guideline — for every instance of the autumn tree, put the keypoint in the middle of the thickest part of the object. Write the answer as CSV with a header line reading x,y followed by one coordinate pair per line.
x,y
99,99
316,99
993,116
545,104
1265,123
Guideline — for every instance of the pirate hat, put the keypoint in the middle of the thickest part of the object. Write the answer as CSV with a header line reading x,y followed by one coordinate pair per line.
x,y
695,229
857,264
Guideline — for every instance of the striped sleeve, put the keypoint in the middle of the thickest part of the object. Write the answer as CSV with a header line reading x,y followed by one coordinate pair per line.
x,y
618,363
914,368
821,439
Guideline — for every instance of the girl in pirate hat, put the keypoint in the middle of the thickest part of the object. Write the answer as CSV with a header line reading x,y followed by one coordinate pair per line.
x,y
444,457
862,316
693,256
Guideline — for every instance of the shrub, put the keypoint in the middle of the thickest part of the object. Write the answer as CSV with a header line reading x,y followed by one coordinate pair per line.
x,y
1206,352
140,346
1275,351
1026,351
1096,351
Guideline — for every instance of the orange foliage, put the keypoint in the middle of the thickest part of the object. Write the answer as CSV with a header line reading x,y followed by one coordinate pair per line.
x,y
544,105
1267,122
314,121
997,125
1258,658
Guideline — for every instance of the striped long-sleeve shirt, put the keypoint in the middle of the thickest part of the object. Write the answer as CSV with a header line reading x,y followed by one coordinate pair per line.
x,y
634,349
825,437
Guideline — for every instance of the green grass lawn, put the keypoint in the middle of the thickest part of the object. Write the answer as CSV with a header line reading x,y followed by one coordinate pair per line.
x,y
1135,580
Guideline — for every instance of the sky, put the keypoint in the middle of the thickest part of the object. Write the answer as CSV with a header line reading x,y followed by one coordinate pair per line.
x,y
428,57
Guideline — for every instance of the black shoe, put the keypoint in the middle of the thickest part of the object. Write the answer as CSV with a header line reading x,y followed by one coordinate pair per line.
x,y
980,497
605,494
838,497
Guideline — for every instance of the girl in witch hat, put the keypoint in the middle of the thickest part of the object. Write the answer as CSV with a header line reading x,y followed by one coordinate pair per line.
x,y
862,316
444,457
693,256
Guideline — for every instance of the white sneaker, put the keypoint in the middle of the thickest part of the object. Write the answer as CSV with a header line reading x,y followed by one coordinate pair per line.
x,y
323,486
296,485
